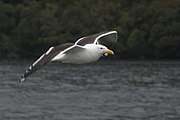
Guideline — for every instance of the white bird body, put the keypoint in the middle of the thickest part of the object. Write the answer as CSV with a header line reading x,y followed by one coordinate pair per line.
x,y
87,54
85,50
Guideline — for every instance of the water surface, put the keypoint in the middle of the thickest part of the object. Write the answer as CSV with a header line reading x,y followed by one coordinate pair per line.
x,y
105,90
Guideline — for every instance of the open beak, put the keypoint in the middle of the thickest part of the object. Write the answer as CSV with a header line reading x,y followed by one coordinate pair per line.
x,y
110,52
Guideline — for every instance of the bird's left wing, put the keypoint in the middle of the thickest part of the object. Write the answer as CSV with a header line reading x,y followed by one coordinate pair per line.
x,y
44,59
74,49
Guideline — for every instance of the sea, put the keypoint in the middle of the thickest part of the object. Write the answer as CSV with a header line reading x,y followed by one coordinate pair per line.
x,y
103,90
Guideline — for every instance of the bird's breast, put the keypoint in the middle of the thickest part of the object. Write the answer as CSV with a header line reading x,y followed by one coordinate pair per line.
x,y
80,57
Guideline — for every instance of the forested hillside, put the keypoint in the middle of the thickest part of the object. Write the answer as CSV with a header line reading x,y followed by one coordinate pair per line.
x,y
147,29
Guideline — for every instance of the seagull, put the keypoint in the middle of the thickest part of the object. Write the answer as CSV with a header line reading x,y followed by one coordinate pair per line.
x,y
85,50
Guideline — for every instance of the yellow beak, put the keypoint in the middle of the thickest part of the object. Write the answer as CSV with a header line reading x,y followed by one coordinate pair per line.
x,y
110,52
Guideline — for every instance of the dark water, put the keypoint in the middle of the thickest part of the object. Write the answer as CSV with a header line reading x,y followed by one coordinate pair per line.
x,y
106,90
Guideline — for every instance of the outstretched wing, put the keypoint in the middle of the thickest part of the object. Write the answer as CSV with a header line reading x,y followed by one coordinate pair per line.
x,y
74,49
104,38
44,59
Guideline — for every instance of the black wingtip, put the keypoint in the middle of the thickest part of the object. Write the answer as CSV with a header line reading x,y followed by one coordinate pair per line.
x,y
22,79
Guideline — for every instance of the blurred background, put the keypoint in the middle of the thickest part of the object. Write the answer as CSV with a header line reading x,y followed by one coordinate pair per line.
x,y
140,82
147,29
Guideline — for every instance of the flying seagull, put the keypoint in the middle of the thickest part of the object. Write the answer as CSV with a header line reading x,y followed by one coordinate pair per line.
x,y
84,50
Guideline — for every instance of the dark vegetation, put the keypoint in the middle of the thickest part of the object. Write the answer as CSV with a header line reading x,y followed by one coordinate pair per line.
x,y
147,29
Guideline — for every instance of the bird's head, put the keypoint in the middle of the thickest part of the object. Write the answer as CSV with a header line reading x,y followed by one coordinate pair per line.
x,y
104,50
100,49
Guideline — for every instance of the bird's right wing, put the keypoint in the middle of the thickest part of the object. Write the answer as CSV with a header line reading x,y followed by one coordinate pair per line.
x,y
104,38
44,59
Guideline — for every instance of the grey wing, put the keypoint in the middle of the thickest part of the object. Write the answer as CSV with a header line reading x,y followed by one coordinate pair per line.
x,y
106,38
44,59
74,49
100,38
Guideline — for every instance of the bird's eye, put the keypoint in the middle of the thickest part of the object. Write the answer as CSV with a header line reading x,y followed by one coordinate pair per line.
x,y
101,48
